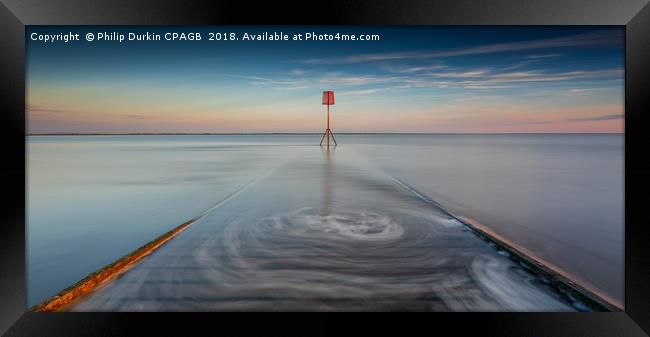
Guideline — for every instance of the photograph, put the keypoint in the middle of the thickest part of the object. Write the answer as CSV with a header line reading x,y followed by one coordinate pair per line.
x,y
325,168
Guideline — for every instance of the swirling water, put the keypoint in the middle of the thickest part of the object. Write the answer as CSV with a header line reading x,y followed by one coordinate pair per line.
x,y
312,229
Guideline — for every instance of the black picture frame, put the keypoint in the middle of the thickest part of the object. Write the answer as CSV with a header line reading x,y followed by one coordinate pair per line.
x,y
633,14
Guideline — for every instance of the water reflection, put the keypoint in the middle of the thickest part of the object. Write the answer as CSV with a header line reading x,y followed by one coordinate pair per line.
x,y
327,179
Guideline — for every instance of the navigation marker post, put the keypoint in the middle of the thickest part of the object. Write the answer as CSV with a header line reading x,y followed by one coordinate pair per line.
x,y
328,99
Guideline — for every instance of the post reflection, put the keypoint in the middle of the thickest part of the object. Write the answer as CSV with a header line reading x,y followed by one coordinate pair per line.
x,y
328,180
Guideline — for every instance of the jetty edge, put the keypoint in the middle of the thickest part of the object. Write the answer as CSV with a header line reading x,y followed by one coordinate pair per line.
x,y
550,274
108,272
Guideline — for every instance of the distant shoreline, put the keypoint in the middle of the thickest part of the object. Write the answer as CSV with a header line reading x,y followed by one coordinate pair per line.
x,y
317,133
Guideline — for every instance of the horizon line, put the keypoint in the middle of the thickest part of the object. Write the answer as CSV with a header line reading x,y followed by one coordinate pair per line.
x,y
306,133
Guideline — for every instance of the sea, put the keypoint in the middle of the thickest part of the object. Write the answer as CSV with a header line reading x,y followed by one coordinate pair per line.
x,y
289,224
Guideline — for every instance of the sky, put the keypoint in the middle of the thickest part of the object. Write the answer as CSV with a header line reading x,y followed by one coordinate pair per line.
x,y
414,79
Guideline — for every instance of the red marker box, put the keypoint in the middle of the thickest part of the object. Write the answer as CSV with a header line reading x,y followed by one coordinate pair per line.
x,y
328,97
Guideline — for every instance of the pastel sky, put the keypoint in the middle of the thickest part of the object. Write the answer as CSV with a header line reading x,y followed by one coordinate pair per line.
x,y
415,79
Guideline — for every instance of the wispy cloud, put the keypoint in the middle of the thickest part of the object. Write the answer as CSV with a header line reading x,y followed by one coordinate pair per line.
x,y
580,40
332,79
482,78
543,56
362,92
530,123
536,76
37,110
298,72
486,79
529,60
138,116
597,118
411,69
607,117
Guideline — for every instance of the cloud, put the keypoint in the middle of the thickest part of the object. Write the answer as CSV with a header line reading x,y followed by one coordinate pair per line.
x,y
606,117
582,90
542,56
602,38
37,110
448,78
529,123
362,92
461,74
535,76
488,79
597,118
412,69
335,79
41,113
138,116
341,79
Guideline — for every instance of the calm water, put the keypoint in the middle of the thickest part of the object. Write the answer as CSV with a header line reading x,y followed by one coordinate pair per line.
x,y
334,220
